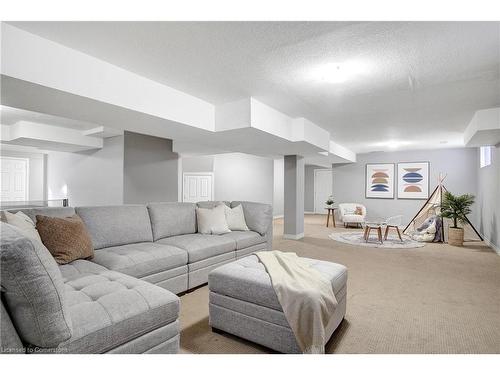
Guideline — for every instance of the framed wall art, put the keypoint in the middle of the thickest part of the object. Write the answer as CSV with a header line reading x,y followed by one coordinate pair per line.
x,y
413,180
379,181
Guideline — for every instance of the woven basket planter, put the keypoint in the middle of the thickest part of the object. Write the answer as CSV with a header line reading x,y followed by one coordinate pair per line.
x,y
456,236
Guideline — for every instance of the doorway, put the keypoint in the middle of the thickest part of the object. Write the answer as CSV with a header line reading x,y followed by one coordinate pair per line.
x,y
197,187
15,179
323,188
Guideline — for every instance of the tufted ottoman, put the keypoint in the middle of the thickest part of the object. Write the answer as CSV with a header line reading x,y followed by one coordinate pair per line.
x,y
244,303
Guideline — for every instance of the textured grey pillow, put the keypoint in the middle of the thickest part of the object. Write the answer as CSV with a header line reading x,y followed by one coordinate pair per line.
x,y
33,289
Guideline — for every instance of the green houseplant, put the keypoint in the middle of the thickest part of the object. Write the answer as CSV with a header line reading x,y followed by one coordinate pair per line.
x,y
456,207
330,201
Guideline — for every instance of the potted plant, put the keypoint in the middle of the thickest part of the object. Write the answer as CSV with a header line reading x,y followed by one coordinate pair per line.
x,y
456,208
329,202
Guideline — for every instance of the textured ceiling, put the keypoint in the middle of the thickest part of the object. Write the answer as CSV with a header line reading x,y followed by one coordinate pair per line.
x,y
424,80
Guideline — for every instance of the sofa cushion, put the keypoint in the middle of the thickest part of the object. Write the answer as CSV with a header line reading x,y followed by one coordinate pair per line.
x,y
33,289
10,342
116,225
109,308
66,238
141,259
247,280
172,219
201,246
245,239
258,216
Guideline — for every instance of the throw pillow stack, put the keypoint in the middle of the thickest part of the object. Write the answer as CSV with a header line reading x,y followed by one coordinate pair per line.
x,y
66,239
220,219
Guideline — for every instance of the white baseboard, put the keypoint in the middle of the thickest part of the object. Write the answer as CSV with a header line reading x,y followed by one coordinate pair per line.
x,y
278,217
310,213
293,236
491,244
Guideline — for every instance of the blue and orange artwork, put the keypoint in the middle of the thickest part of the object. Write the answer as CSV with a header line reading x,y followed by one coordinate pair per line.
x,y
413,178
380,180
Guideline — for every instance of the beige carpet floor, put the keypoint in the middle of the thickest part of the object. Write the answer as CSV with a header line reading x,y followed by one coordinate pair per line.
x,y
435,299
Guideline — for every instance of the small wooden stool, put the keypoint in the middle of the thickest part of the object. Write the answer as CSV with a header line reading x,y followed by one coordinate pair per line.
x,y
369,227
395,227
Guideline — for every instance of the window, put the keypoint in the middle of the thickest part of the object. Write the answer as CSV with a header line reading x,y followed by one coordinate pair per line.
x,y
484,156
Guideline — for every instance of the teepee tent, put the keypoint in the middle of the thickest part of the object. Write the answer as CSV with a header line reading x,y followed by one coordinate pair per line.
x,y
432,207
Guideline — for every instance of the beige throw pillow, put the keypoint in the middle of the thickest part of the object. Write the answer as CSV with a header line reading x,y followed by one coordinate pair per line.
x,y
236,218
24,224
212,220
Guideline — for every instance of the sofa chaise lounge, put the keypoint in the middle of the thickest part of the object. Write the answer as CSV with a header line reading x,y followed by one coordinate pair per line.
x,y
123,300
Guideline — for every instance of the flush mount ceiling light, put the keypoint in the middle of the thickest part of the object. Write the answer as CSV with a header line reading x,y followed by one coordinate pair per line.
x,y
339,72
393,144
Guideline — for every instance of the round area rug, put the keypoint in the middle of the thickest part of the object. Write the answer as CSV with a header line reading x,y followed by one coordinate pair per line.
x,y
356,238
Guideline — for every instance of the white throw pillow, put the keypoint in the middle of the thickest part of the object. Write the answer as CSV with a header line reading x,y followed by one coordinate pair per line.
x,y
24,224
212,220
235,218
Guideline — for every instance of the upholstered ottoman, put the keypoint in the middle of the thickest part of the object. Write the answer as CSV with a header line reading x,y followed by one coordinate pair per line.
x,y
244,303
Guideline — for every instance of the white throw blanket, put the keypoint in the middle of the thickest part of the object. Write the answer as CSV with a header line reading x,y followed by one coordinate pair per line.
x,y
305,295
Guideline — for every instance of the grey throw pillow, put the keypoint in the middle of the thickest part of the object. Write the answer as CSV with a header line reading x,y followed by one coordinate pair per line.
x,y
33,288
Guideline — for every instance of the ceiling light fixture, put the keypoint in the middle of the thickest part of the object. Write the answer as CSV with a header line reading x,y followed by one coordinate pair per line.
x,y
339,72
393,144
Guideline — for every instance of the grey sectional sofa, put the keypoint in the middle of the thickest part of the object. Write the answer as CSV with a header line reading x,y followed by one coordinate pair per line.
x,y
123,300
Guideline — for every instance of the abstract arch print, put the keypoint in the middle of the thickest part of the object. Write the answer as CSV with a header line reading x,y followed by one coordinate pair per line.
x,y
380,181
413,180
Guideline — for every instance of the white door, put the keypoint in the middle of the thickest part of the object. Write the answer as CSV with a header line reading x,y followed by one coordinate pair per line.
x,y
323,188
197,187
14,175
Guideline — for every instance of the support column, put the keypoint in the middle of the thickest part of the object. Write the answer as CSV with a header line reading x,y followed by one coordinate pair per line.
x,y
294,197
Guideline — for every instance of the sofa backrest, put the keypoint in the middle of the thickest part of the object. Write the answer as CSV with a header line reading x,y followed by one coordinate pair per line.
x,y
211,204
172,219
33,290
258,216
47,211
116,225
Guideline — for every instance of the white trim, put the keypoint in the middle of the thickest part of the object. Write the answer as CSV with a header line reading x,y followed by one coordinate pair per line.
x,y
488,242
278,217
314,186
312,213
184,174
293,236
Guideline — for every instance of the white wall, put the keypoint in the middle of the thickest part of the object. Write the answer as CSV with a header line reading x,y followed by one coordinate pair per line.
x,y
488,200
279,187
460,165
37,191
237,176
92,177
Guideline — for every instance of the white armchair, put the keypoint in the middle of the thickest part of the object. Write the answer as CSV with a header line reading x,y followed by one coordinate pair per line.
x,y
349,215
